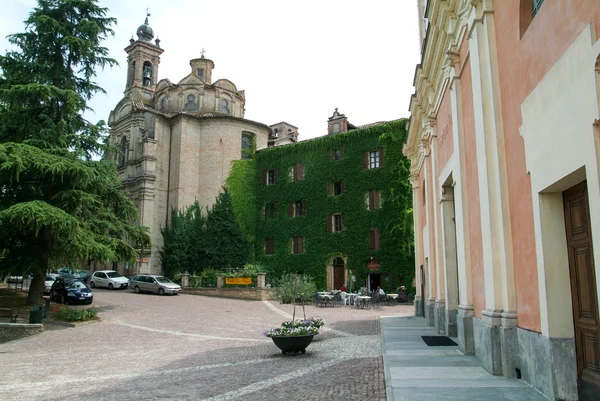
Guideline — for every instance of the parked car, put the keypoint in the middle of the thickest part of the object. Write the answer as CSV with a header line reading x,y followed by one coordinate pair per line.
x,y
50,279
154,283
109,279
14,279
69,291
73,274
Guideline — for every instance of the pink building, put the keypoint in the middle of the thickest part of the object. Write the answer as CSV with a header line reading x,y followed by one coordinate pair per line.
x,y
505,148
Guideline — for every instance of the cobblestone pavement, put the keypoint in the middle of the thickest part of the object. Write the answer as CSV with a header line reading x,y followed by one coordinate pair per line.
x,y
187,347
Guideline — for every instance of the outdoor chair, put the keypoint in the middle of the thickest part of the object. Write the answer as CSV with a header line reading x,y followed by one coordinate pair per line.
x,y
321,301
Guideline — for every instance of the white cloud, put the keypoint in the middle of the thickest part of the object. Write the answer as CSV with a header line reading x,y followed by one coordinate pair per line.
x,y
297,61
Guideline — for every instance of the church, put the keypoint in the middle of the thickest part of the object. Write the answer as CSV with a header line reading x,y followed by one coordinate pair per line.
x,y
177,140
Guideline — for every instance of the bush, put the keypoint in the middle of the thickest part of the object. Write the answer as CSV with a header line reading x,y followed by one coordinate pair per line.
x,y
75,315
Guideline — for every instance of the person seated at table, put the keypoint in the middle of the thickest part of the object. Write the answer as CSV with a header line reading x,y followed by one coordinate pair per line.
x,y
379,291
343,288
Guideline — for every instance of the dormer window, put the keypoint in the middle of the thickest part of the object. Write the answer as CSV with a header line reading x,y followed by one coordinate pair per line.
x,y
224,107
336,128
200,72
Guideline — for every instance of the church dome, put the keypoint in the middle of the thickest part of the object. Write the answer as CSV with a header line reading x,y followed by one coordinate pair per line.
x,y
145,32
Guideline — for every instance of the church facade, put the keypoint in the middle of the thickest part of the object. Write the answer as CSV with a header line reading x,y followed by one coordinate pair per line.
x,y
504,143
176,140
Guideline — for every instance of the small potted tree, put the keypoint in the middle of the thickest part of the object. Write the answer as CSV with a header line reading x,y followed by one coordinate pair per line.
x,y
295,335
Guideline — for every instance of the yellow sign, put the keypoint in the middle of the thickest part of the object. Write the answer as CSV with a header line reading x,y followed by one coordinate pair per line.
x,y
238,280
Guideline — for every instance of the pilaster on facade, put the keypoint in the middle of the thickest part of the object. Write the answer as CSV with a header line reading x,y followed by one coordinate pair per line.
x,y
491,161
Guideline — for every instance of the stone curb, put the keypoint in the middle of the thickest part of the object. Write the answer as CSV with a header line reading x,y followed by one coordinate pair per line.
x,y
68,324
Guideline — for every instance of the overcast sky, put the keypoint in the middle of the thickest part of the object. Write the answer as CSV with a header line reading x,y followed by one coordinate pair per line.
x,y
296,60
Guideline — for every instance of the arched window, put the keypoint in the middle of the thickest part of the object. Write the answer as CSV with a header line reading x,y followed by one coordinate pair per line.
x,y
131,74
191,105
224,107
147,74
247,145
163,104
123,154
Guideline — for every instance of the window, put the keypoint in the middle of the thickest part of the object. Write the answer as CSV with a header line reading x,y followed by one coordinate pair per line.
x,y
536,6
271,209
190,105
298,172
224,106
336,154
374,199
297,208
200,72
246,146
297,244
269,177
374,239
335,188
336,128
270,246
372,159
335,222
123,155
147,74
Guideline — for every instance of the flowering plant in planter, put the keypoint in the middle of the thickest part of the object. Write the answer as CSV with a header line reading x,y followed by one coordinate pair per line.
x,y
292,331
310,322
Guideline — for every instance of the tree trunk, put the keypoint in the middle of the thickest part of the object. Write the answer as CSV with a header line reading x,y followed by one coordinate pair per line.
x,y
36,288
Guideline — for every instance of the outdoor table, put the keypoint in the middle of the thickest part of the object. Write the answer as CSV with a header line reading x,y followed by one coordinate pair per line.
x,y
392,296
328,296
363,302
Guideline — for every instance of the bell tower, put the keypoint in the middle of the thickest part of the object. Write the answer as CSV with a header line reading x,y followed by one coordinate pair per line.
x,y
143,58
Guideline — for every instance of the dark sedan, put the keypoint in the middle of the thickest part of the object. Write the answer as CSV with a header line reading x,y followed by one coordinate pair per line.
x,y
71,292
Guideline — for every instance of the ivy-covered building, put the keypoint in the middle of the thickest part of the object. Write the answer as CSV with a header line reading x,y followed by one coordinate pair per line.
x,y
337,207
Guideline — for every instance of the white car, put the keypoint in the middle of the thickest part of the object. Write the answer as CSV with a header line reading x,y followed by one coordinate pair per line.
x,y
109,279
50,279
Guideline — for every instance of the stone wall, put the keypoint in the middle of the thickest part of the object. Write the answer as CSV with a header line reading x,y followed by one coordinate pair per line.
x,y
255,294
15,331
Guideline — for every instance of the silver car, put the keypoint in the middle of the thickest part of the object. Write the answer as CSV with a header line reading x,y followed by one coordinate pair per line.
x,y
154,283
109,279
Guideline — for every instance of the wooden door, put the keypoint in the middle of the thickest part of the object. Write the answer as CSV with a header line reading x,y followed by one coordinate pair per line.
x,y
338,276
583,283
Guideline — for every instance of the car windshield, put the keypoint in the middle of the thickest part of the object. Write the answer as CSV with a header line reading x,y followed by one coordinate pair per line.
x,y
75,285
113,274
163,280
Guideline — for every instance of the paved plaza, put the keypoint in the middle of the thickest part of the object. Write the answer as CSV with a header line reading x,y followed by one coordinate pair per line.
x,y
190,347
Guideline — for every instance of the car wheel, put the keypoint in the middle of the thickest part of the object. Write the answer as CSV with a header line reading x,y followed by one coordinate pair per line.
x,y
110,286
136,289
92,284
161,291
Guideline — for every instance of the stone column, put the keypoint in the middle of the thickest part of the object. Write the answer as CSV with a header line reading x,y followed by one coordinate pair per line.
x,y
185,280
261,280
219,281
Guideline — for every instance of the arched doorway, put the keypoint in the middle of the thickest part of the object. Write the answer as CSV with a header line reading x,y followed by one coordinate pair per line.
x,y
338,273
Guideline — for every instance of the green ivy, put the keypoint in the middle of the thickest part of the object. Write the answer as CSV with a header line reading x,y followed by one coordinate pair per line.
x,y
393,219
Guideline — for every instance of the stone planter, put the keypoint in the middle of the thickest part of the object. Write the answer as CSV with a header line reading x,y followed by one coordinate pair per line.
x,y
293,344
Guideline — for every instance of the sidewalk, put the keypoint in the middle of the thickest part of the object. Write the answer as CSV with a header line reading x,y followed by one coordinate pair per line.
x,y
415,371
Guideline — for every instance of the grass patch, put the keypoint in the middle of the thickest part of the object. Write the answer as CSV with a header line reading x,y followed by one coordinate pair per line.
x,y
15,300
74,315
